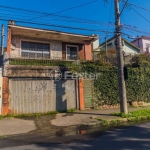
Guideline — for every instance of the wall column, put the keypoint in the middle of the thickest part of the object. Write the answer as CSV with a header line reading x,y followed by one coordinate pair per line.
x,y
88,50
81,94
9,40
5,93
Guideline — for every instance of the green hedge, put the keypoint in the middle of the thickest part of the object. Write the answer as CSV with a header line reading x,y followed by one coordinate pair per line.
x,y
40,62
106,85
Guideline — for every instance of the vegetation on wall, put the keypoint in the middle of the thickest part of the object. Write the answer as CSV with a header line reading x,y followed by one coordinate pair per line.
x,y
106,85
40,62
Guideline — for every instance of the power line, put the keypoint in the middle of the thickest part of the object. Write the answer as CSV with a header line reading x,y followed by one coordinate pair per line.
x,y
67,27
66,9
140,15
71,19
55,25
146,9
59,19
137,31
123,7
128,27
109,17
43,13
56,15
80,20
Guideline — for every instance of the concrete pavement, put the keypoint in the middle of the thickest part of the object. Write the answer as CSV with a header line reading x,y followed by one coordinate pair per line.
x,y
86,116
10,126
83,117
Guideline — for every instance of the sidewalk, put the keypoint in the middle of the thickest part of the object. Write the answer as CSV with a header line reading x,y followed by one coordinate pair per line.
x,y
86,116
11,126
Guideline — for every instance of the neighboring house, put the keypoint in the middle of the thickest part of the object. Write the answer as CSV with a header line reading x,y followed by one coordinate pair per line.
x,y
143,43
34,66
95,49
128,48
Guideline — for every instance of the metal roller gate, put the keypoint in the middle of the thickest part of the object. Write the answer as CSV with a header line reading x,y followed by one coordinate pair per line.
x,y
40,96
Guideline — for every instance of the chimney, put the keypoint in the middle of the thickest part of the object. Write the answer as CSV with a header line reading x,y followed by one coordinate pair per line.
x,y
11,22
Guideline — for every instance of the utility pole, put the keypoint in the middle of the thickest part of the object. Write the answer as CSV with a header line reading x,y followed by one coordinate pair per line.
x,y
106,49
2,40
122,87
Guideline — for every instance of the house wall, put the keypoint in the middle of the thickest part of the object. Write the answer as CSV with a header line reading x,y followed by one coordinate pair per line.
x,y
1,84
81,51
141,43
55,46
144,42
110,44
128,49
95,44
138,43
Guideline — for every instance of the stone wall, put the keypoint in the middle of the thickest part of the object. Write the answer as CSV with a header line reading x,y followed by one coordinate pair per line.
x,y
32,71
55,46
5,101
132,104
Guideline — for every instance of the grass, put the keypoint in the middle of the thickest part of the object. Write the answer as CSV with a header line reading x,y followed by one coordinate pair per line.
x,y
71,110
103,121
1,117
109,123
135,115
2,137
37,114
29,115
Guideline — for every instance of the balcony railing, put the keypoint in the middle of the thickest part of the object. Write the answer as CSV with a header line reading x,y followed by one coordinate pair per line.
x,y
53,61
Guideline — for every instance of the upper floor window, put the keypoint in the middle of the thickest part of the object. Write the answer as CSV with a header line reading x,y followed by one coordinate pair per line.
x,y
35,50
147,45
72,52
109,44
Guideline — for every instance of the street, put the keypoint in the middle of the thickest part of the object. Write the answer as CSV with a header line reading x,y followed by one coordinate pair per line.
x,y
136,137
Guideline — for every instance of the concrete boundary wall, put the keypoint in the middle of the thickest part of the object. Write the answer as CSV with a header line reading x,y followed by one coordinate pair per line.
x,y
1,84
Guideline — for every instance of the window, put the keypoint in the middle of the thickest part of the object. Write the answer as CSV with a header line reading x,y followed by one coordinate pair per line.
x,y
35,50
109,44
72,53
147,45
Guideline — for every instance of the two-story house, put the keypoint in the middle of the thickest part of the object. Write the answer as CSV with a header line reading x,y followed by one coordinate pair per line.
x,y
143,43
33,66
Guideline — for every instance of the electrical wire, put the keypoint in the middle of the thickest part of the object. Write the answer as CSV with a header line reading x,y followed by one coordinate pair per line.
x,y
140,15
109,17
65,9
123,7
70,19
146,9
55,25
80,20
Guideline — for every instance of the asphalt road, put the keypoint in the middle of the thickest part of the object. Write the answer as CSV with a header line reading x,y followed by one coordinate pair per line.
x,y
135,137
